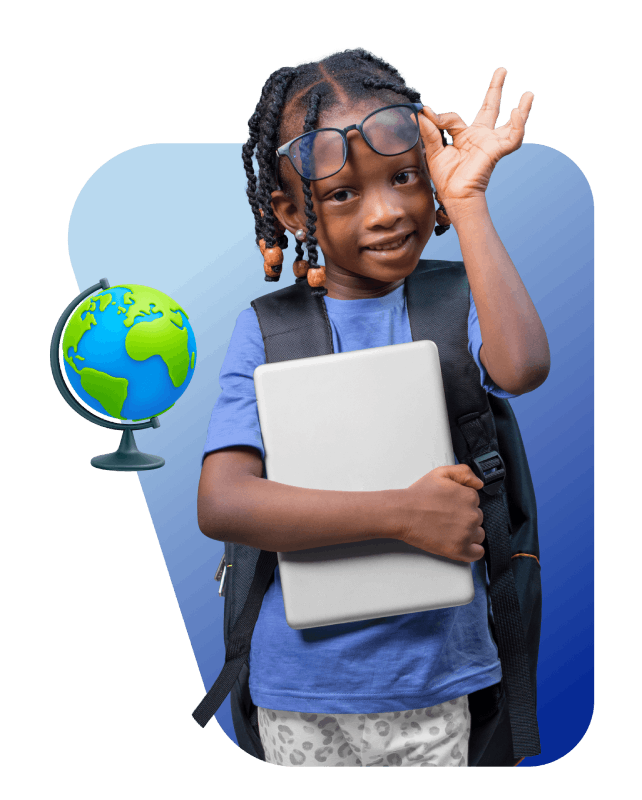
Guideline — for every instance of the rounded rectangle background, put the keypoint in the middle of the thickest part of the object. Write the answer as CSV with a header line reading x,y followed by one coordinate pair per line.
x,y
176,217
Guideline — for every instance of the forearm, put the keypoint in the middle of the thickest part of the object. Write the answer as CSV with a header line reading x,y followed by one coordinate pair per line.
x,y
515,349
272,516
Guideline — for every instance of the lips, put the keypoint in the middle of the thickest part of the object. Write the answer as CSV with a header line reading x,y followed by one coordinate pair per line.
x,y
389,244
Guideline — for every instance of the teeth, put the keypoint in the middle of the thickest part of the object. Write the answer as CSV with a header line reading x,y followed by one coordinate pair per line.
x,y
390,245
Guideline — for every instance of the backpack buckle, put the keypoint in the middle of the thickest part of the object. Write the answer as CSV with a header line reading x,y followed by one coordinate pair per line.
x,y
490,468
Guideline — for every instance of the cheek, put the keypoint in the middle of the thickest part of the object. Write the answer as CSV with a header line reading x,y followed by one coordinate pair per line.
x,y
334,231
424,207
423,216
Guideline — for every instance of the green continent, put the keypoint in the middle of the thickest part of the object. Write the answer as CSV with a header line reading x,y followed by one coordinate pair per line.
x,y
164,336
78,327
110,392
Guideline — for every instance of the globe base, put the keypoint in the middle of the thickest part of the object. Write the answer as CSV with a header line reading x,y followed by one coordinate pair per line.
x,y
128,457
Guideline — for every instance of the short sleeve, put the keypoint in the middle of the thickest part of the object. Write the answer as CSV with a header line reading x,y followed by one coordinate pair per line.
x,y
474,346
235,419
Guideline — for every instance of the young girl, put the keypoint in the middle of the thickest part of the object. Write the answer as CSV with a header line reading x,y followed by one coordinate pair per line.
x,y
390,691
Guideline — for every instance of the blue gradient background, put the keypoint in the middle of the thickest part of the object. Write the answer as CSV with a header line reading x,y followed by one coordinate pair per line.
x,y
176,217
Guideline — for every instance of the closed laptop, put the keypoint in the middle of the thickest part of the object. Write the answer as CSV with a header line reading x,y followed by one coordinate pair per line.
x,y
366,420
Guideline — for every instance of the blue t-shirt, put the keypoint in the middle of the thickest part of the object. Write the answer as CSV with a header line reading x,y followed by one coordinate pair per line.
x,y
396,663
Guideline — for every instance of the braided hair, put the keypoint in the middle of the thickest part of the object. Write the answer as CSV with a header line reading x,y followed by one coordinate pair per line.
x,y
308,89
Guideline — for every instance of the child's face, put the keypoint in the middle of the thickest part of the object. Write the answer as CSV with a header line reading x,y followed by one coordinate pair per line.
x,y
374,202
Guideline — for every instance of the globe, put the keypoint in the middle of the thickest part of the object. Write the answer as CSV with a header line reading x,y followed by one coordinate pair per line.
x,y
129,352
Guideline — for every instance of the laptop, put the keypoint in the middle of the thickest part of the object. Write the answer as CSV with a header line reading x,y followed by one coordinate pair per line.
x,y
366,420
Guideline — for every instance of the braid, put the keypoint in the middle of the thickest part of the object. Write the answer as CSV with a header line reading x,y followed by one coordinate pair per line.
x,y
310,240
265,155
263,130
247,152
308,90
397,88
402,86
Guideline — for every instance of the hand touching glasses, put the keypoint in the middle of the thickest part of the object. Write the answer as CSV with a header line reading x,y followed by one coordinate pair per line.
x,y
461,172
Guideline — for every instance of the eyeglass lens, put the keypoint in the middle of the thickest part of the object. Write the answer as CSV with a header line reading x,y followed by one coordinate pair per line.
x,y
319,154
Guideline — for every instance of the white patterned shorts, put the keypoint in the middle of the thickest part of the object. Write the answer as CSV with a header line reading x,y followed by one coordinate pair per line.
x,y
436,736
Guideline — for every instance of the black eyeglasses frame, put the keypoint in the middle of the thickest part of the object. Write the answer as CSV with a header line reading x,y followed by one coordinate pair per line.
x,y
284,150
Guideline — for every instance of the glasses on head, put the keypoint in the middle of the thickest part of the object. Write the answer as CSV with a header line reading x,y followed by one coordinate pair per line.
x,y
319,154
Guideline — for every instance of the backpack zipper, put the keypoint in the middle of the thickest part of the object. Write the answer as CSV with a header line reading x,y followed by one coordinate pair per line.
x,y
221,574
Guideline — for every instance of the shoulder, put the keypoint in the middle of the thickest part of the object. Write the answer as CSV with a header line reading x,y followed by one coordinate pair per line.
x,y
246,344
247,324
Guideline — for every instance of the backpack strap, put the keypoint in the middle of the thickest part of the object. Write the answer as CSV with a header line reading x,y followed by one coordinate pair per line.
x,y
238,646
438,301
294,324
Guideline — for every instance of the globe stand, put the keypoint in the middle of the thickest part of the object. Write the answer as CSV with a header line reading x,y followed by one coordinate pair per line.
x,y
127,457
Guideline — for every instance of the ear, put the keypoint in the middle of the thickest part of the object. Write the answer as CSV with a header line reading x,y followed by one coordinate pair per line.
x,y
287,212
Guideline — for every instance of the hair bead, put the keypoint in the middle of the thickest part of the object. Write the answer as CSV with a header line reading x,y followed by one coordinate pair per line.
x,y
316,276
274,273
273,257
442,217
300,268
272,261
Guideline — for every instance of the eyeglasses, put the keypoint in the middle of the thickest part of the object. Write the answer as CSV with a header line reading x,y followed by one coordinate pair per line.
x,y
389,131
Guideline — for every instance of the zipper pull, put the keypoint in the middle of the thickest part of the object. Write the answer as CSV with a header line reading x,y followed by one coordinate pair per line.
x,y
219,571
221,588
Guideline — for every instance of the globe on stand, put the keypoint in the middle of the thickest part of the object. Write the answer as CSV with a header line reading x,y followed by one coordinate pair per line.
x,y
129,352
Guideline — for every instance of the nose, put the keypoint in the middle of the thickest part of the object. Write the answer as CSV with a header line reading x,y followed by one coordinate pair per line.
x,y
382,208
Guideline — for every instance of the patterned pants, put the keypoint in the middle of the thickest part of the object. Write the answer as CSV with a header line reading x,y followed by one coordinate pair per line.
x,y
426,737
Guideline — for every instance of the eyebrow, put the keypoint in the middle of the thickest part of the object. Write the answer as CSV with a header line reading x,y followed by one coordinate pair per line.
x,y
391,159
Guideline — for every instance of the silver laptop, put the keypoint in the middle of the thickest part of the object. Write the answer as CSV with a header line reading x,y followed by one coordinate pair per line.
x,y
366,420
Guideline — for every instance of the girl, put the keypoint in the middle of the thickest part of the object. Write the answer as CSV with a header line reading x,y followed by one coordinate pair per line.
x,y
391,691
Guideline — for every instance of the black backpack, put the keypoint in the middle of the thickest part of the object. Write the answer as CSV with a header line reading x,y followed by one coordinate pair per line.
x,y
485,435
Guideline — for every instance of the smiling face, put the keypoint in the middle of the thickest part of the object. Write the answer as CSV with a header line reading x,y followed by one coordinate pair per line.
x,y
374,217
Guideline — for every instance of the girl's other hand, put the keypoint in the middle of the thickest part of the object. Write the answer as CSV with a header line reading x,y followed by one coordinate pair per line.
x,y
441,513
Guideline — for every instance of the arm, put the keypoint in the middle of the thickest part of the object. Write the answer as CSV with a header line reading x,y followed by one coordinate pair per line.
x,y
515,348
237,504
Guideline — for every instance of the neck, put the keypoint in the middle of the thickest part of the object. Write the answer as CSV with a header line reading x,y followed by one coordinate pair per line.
x,y
355,287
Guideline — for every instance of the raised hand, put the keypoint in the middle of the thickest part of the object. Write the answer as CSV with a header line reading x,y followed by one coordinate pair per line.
x,y
461,172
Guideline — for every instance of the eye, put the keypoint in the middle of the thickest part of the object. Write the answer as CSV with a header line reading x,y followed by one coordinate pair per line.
x,y
404,177
342,195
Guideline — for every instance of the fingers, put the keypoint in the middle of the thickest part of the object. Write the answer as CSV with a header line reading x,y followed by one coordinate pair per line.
x,y
429,133
512,133
476,552
525,105
462,474
523,109
450,122
489,111
431,138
